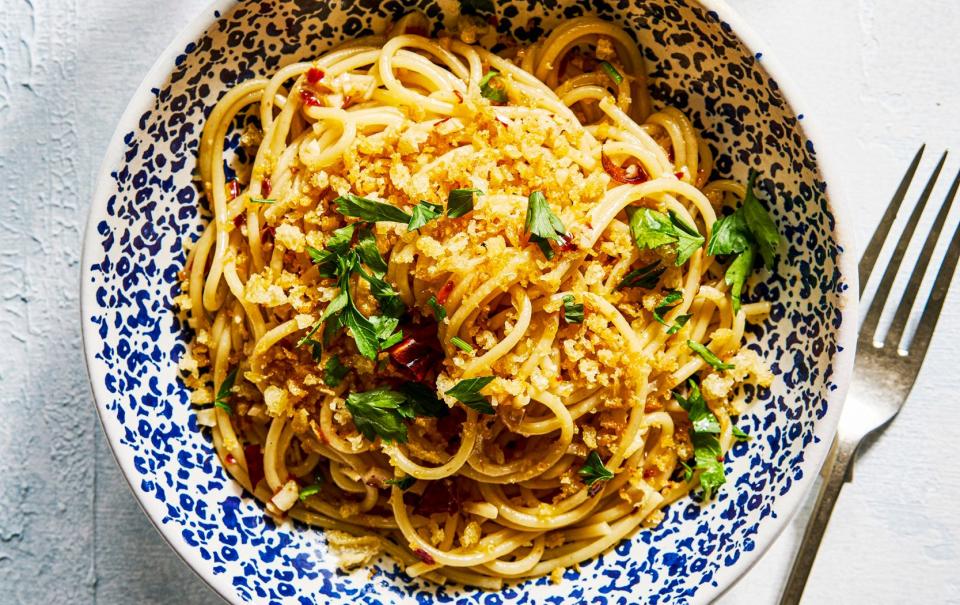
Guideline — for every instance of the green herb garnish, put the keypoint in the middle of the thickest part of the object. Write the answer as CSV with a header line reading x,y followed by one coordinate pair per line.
x,y
572,311
708,458
644,277
334,371
404,483
460,201
461,344
612,72
671,300
383,412
593,470
739,435
225,390
423,213
708,356
369,210
258,200
467,392
439,311
746,232
542,224
678,323
489,91
309,490
652,229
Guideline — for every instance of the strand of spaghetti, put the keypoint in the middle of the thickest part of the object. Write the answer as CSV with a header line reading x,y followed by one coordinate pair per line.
x,y
506,344
467,441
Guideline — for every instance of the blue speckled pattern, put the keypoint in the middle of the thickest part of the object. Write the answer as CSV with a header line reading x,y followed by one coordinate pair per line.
x,y
147,207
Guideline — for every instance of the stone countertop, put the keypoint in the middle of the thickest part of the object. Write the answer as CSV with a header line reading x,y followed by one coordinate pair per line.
x,y
880,76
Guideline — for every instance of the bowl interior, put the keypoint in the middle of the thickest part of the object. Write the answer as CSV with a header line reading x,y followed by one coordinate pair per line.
x,y
146,208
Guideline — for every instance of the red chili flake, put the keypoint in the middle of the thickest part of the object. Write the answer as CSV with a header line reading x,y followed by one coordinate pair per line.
x,y
415,30
439,122
419,352
440,496
650,473
595,489
679,175
267,234
240,220
254,463
566,243
347,102
266,187
444,293
459,96
233,188
231,459
424,556
309,99
314,75
619,173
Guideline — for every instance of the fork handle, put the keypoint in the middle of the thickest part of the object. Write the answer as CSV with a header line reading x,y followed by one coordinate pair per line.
x,y
817,525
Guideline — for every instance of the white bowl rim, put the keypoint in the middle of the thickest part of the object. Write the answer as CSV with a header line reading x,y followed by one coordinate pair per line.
x,y
815,453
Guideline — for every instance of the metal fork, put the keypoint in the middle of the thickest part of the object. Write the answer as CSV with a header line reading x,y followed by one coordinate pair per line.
x,y
886,369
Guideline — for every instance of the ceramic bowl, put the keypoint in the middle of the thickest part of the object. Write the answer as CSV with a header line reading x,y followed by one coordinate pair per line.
x,y
703,60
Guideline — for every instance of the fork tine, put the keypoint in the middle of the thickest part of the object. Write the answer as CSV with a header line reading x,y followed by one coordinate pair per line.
x,y
916,278
893,266
931,311
872,252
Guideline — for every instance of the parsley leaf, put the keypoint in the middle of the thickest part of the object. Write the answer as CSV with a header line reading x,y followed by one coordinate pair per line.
x,y
680,321
651,229
423,400
746,232
257,200
461,344
708,356
709,461
707,455
439,311
689,239
612,72
404,483
542,224
423,213
362,330
379,413
736,276
369,210
327,260
572,311
739,435
334,371
644,277
467,392
223,393
386,330
387,297
310,490
368,252
593,470
687,471
671,300
729,235
460,201
701,417
762,227
489,91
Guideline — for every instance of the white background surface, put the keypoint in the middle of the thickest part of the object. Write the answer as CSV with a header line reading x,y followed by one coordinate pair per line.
x,y
881,76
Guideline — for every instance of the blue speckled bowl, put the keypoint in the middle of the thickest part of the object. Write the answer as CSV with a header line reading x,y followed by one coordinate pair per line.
x,y
702,60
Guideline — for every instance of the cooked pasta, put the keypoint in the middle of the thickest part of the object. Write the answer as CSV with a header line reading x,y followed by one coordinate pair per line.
x,y
464,307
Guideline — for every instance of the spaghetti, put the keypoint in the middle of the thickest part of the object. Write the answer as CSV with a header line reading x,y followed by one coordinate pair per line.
x,y
463,309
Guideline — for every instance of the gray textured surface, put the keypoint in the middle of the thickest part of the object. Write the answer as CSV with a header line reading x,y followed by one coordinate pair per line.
x,y
881,78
